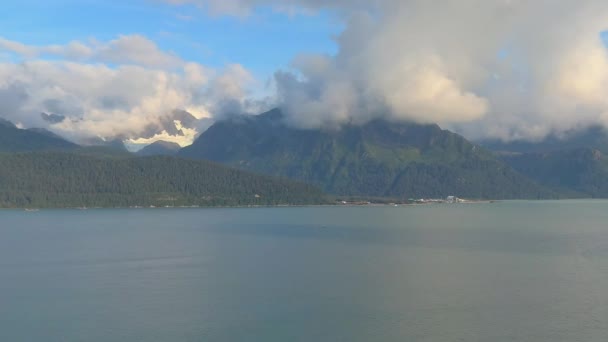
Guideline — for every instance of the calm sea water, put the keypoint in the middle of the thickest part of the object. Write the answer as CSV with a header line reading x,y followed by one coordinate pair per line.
x,y
511,271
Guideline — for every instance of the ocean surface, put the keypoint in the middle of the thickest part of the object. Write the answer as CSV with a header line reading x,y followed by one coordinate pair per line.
x,y
509,271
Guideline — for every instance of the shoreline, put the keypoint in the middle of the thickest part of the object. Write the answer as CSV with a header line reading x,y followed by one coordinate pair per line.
x,y
35,209
358,204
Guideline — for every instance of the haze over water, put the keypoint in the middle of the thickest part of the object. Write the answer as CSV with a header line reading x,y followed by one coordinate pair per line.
x,y
510,271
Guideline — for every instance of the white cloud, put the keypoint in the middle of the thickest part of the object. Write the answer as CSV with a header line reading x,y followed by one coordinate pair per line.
x,y
124,88
136,49
16,47
503,68
126,49
189,134
507,68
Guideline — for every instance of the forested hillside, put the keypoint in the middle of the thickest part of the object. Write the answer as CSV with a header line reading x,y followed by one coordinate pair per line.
x,y
581,172
57,179
380,158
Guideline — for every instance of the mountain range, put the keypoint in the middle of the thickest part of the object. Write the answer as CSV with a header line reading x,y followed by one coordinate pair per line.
x,y
594,137
38,169
13,139
580,172
574,164
379,159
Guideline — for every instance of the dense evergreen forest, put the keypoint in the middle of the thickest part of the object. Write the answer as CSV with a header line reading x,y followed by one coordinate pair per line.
x,y
581,172
68,179
378,159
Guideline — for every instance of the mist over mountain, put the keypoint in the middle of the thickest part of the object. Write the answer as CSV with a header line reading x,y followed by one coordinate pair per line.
x,y
52,118
495,69
507,69
595,137
13,139
379,158
114,144
574,162
41,169
7,123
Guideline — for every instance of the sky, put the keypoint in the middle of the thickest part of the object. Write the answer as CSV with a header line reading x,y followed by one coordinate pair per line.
x,y
147,70
263,42
243,49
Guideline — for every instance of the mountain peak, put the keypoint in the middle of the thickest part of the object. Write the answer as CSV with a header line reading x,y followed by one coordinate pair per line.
x,y
4,122
274,115
14,139
159,148
114,144
379,158
167,144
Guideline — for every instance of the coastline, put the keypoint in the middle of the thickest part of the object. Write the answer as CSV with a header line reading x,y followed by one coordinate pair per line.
x,y
348,205
35,209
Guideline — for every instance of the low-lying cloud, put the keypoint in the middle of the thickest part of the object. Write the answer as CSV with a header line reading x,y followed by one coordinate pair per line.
x,y
488,68
126,88
502,68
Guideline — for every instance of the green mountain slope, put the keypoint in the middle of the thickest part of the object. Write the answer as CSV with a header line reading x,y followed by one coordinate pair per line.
x,y
572,163
581,172
376,159
57,179
13,139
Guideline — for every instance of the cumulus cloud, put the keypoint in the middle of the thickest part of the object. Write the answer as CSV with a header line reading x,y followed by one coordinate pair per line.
x,y
126,49
125,88
502,68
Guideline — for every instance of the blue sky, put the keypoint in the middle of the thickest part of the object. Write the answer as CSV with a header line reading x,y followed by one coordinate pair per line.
x,y
122,68
262,42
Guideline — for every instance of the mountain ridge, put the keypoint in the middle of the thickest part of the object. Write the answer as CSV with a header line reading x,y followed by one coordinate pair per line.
x,y
14,139
590,137
574,163
159,148
376,159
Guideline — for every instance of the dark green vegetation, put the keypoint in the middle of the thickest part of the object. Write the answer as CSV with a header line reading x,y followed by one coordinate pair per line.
x,y
159,148
581,172
61,179
377,159
40,169
574,164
